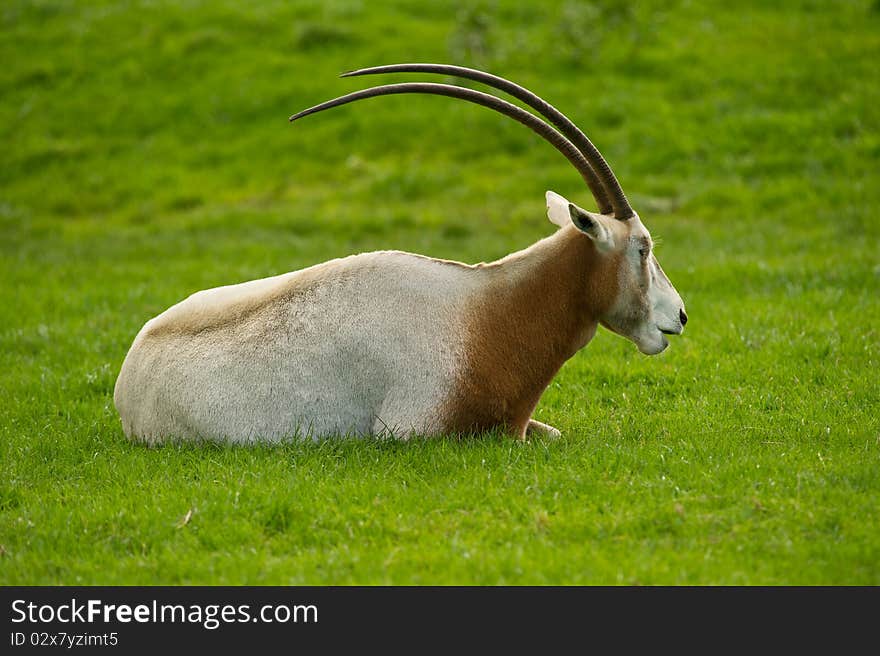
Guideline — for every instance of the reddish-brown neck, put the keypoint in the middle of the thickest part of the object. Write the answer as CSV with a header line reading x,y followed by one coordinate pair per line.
x,y
535,309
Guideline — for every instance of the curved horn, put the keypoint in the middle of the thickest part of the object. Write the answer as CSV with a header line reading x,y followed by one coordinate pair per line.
x,y
611,187
558,141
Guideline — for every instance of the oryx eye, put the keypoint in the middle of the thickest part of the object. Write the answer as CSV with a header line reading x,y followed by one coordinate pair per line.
x,y
643,252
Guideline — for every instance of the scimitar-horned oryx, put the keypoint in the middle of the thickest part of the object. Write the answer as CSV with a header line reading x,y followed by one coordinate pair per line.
x,y
395,343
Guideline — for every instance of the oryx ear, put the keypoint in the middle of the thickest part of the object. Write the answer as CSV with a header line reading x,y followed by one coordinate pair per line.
x,y
592,225
557,209
561,212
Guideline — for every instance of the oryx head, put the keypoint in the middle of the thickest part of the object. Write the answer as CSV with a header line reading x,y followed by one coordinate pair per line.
x,y
645,306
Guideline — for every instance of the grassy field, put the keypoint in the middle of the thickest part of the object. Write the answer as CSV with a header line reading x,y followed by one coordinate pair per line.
x,y
146,155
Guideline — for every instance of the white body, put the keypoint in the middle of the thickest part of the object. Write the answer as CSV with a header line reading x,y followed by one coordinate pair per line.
x,y
395,343
361,345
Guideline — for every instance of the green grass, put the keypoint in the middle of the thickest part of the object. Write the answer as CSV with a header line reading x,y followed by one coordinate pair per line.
x,y
146,155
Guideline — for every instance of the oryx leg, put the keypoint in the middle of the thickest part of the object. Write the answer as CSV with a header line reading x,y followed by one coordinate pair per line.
x,y
538,429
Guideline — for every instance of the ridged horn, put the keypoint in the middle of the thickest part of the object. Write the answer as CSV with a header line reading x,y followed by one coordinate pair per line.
x,y
557,140
610,186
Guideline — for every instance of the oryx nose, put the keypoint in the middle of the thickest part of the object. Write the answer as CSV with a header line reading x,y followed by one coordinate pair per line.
x,y
682,317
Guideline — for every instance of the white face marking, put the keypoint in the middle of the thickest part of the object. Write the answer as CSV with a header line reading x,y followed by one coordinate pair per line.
x,y
648,305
